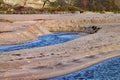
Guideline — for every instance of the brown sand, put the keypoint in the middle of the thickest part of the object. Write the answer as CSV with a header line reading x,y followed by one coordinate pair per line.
x,y
18,33
56,60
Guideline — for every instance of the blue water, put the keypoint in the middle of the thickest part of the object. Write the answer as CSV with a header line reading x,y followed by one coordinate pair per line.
x,y
107,70
46,40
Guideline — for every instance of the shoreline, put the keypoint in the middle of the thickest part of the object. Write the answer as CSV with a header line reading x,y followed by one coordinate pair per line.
x,y
63,58
27,28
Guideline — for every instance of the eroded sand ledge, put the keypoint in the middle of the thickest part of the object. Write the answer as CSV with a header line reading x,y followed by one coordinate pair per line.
x,y
18,29
52,61
18,33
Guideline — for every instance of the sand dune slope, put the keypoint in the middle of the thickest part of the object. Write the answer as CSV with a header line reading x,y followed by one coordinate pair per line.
x,y
18,33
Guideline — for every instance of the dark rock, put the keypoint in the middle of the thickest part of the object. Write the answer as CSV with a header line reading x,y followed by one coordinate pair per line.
x,y
92,29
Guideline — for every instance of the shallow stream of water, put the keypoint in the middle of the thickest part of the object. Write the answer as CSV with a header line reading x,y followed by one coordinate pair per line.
x,y
46,40
107,70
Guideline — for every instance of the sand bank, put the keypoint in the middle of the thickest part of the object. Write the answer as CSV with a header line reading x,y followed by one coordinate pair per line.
x,y
52,61
18,29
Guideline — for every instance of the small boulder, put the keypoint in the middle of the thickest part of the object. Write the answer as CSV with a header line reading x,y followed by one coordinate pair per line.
x,y
91,29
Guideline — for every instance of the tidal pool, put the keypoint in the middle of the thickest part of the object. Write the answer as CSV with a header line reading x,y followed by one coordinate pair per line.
x,y
51,39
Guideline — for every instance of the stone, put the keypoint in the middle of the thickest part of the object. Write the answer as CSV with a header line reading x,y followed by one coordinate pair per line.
x,y
92,29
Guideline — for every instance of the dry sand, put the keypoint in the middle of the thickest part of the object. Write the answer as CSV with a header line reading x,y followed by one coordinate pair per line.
x,y
18,33
56,60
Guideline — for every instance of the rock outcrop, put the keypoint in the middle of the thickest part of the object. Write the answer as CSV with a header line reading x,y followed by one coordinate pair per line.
x,y
91,29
